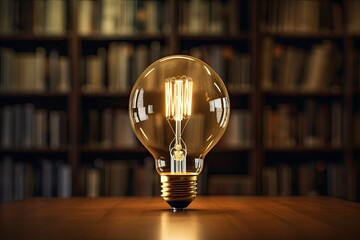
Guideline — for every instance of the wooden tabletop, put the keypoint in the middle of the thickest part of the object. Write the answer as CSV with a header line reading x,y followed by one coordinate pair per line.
x,y
206,218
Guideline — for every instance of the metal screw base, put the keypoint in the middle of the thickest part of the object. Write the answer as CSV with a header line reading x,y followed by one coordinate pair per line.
x,y
178,190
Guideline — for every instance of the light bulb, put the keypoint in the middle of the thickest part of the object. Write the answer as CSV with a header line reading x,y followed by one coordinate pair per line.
x,y
179,109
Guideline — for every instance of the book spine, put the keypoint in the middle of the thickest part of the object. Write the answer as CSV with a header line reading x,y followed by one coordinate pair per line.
x,y
64,181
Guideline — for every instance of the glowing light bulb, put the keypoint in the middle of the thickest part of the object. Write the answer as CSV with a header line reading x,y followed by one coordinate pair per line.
x,y
179,109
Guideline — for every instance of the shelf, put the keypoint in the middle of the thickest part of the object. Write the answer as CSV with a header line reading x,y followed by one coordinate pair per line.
x,y
29,94
32,150
106,99
230,149
41,99
305,36
34,37
132,37
86,149
106,94
123,150
285,150
241,93
214,37
302,94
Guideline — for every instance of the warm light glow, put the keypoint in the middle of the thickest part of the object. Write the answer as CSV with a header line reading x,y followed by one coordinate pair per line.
x,y
179,227
178,98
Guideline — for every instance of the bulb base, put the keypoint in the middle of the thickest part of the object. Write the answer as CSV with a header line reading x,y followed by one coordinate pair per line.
x,y
178,190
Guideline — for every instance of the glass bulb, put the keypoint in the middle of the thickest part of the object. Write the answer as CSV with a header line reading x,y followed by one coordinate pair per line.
x,y
179,109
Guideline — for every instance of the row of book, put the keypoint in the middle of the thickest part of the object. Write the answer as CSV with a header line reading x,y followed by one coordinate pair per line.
x,y
23,179
238,133
314,125
37,16
37,71
26,126
209,17
119,178
108,128
139,178
302,16
310,178
293,68
120,16
231,65
111,128
117,68
230,185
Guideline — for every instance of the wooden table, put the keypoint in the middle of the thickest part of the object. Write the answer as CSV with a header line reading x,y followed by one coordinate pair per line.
x,y
206,218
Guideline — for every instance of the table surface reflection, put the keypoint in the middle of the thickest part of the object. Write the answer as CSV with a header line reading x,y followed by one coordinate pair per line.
x,y
206,218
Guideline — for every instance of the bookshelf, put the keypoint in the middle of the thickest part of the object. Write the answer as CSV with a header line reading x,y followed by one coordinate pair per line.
x,y
255,46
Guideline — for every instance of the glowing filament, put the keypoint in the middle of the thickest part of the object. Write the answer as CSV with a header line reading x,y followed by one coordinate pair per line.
x,y
178,101
178,98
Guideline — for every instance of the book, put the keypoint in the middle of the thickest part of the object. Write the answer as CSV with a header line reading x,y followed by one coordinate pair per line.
x,y
94,124
54,70
336,124
107,127
238,133
293,67
19,181
64,181
285,180
29,188
123,134
34,71
7,126
119,178
55,17
40,69
46,178
208,17
28,135
64,75
317,124
6,177
270,181
300,16
7,56
19,125
337,180
230,185
85,16
94,77
232,65
152,17
54,129
92,182
39,17
6,16
40,128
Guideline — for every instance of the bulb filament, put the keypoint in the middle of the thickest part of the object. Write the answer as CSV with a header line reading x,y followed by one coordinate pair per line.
x,y
178,101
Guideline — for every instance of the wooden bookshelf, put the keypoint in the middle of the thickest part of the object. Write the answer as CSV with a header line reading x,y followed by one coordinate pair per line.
x,y
246,40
